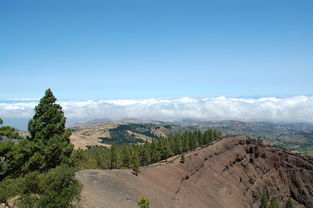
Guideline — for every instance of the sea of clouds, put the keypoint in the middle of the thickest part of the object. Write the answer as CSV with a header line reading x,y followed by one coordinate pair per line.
x,y
291,109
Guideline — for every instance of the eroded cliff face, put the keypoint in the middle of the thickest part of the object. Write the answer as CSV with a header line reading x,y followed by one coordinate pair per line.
x,y
231,173
281,173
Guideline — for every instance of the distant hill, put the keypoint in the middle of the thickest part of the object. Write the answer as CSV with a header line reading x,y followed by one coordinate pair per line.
x,y
122,132
292,136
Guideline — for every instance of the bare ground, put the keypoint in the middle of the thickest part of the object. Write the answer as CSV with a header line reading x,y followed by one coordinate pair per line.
x,y
84,137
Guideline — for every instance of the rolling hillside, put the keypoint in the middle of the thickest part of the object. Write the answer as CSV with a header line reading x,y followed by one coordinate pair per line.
x,y
105,134
296,137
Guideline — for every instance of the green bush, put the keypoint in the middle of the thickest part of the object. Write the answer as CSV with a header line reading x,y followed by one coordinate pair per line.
x,y
143,202
55,188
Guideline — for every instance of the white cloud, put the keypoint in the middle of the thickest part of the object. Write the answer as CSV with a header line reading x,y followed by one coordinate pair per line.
x,y
292,109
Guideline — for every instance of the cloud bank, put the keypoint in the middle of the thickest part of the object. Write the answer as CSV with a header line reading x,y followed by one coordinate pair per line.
x,y
292,109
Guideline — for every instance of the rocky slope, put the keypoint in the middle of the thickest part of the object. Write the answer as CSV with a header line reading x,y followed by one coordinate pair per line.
x,y
232,173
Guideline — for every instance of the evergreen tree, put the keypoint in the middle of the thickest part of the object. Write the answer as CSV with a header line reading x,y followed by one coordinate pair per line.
x,y
186,143
11,159
103,159
155,153
30,175
55,188
116,157
206,138
217,134
9,188
178,148
289,204
274,203
8,132
47,130
162,148
143,202
48,120
182,158
135,165
145,155
127,156
264,200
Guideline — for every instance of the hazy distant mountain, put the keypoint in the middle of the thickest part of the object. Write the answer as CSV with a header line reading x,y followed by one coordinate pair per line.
x,y
293,136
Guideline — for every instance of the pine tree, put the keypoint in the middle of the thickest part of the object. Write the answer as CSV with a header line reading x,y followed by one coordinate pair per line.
x,y
116,157
135,165
182,158
289,204
265,200
274,203
127,153
48,120
186,143
28,169
8,132
47,130
10,159
155,153
178,145
145,155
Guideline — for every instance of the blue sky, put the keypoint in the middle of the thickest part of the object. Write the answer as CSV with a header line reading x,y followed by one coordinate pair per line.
x,y
145,49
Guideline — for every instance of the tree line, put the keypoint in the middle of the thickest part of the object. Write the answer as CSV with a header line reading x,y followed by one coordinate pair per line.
x,y
135,155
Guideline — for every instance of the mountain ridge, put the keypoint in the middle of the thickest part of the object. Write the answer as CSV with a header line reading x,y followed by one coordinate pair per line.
x,y
232,172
